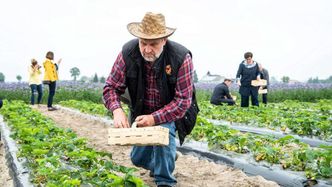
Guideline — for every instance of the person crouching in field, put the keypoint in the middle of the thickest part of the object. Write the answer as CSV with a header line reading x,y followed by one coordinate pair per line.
x,y
221,94
35,82
159,76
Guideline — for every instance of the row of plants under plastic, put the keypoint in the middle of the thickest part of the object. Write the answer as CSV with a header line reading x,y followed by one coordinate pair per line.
x,y
302,118
57,157
287,151
309,119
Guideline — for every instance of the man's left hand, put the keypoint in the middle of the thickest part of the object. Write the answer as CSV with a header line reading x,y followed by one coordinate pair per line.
x,y
144,121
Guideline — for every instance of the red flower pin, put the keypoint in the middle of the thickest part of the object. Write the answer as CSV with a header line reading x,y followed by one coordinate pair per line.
x,y
168,70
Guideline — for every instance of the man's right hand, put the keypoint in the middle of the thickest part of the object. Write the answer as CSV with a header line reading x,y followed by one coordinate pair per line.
x,y
119,119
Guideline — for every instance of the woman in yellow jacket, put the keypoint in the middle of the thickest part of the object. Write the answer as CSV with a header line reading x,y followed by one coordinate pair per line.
x,y
35,82
50,77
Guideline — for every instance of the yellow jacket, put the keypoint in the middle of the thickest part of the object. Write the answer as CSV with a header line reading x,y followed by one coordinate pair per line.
x,y
34,76
51,73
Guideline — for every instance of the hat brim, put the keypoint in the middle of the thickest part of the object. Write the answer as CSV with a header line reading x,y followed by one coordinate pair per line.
x,y
133,29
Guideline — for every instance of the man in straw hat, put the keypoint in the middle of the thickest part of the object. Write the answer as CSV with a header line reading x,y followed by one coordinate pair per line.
x,y
159,76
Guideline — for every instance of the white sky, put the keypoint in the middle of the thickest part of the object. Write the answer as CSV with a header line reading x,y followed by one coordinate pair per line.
x,y
289,37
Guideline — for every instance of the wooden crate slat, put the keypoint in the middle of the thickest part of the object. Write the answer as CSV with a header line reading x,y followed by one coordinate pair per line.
x,y
262,82
138,136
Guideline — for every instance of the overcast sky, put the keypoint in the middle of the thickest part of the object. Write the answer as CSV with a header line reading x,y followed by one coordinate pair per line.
x,y
289,37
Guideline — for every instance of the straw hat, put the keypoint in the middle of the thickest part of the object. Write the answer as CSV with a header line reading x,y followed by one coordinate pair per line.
x,y
152,27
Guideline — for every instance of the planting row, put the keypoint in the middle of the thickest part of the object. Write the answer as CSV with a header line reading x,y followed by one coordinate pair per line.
x,y
57,157
287,151
309,119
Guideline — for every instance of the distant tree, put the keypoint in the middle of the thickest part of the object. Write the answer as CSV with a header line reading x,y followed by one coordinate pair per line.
x,y
285,79
84,79
2,77
19,78
329,80
102,79
317,80
75,72
195,77
95,78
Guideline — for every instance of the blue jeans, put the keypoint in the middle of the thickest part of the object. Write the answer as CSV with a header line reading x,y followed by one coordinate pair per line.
x,y
36,89
160,160
51,93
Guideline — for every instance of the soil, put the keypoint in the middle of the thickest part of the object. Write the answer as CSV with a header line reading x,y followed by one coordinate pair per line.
x,y
5,179
190,171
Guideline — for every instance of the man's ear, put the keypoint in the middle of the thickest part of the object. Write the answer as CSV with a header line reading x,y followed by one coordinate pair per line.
x,y
164,40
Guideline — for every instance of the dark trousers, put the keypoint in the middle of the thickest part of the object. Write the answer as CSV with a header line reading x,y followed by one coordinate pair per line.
x,y
34,90
246,92
222,101
264,98
51,94
228,101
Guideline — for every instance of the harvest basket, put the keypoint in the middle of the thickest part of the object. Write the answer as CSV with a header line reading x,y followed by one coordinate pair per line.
x,y
262,91
261,82
156,135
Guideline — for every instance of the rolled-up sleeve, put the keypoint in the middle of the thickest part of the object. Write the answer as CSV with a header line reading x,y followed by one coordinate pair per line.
x,y
183,95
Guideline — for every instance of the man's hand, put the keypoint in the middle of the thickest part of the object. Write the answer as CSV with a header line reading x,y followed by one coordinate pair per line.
x,y
144,120
120,120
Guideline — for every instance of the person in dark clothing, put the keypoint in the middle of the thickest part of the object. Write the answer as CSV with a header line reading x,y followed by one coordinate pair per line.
x,y
248,71
221,94
264,75
0,103
158,74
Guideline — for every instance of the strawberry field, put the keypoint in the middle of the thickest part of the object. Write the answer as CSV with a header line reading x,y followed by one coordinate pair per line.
x,y
288,136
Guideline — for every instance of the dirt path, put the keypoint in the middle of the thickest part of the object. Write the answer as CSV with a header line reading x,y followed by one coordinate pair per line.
x,y
189,171
5,179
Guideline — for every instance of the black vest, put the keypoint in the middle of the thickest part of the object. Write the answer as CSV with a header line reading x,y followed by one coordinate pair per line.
x,y
173,54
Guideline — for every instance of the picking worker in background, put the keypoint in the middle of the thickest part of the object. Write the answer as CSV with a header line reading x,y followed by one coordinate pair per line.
x,y
35,82
248,71
50,77
264,75
221,94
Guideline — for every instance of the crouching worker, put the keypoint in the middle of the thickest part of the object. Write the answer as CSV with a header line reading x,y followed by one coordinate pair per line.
x,y
221,94
159,76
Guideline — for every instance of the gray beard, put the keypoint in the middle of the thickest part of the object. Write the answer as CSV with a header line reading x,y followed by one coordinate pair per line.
x,y
154,58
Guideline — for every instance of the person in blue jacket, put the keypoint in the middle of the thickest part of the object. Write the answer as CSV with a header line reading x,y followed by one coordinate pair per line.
x,y
248,71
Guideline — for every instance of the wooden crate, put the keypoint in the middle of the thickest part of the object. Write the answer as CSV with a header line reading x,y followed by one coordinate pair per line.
x,y
261,82
156,135
262,91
